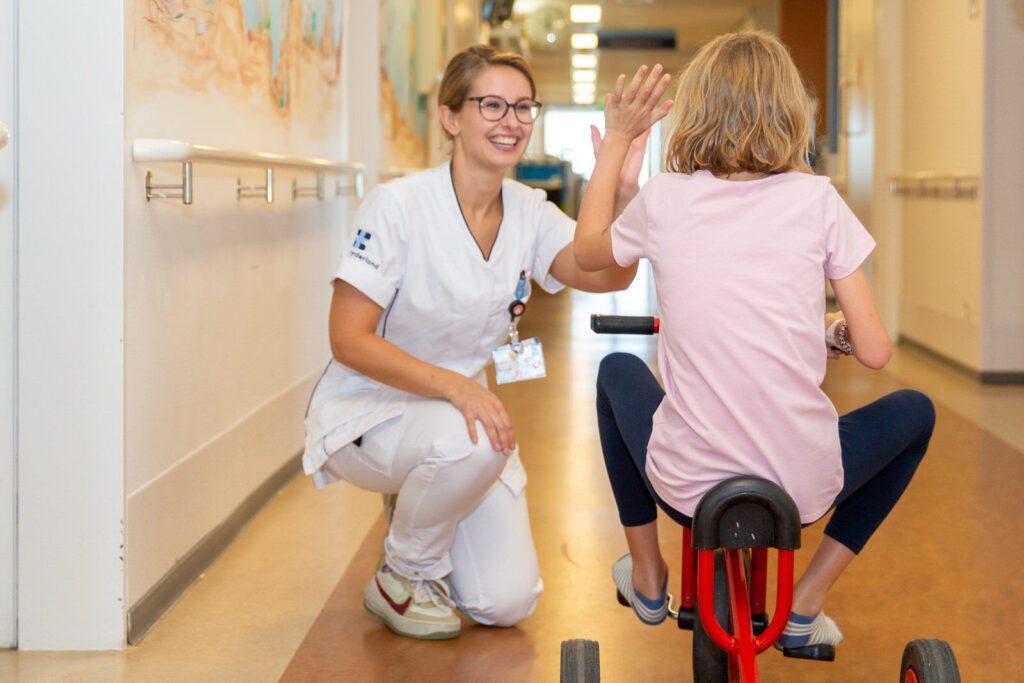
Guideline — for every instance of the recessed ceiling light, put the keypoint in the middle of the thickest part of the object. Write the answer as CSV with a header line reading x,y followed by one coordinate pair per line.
x,y
584,41
583,99
584,76
584,60
584,88
585,14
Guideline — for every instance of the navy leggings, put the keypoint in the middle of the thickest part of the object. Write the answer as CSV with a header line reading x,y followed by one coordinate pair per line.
x,y
882,445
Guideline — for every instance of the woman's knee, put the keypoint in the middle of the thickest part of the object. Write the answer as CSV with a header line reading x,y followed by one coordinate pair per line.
x,y
504,604
467,465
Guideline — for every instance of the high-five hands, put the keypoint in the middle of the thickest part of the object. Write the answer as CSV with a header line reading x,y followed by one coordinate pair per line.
x,y
631,111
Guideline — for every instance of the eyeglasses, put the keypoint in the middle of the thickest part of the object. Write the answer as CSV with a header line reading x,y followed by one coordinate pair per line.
x,y
494,108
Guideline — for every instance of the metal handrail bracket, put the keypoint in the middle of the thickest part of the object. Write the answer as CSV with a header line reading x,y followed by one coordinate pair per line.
x,y
155,150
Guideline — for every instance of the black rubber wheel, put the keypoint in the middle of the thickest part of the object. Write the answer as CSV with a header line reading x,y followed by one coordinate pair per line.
x,y
711,663
581,661
929,660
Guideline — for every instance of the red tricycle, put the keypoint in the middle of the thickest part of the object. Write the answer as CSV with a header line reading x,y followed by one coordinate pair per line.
x,y
723,589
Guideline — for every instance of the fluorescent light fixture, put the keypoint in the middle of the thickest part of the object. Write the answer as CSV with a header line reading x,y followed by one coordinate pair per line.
x,y
583,99
585,14
584,88
584,76
583,41
584,60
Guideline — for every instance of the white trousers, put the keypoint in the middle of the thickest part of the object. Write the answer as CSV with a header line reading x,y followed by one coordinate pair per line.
x,y
461,509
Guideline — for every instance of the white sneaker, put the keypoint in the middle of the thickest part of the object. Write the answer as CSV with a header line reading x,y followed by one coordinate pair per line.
x,y
413,608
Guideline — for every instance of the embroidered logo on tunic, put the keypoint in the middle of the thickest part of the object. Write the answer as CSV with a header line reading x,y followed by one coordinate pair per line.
x,y
359,246
362,237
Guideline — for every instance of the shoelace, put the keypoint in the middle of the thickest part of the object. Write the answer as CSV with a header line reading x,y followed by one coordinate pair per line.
x,y
434,592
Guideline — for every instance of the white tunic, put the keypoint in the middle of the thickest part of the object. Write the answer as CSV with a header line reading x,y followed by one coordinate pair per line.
x,y
443,302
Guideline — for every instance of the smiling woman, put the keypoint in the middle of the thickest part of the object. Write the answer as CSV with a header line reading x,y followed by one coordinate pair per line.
x,y
437,278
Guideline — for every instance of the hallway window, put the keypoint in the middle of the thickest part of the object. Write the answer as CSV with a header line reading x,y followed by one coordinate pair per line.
x,y
567,136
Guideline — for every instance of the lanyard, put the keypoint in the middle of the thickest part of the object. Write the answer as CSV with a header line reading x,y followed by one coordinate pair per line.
x,y
518,306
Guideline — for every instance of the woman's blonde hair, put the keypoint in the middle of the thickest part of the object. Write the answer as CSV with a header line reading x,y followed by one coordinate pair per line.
x,y
740,106
464,67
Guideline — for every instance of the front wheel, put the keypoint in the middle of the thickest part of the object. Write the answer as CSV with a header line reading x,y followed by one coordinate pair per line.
x,y
929,660
581,661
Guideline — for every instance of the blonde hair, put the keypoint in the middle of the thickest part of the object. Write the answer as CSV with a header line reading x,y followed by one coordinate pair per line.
x,y
740,106
464,67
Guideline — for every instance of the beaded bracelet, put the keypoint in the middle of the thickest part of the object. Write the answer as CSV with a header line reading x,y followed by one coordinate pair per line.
x,y
844,345
835,337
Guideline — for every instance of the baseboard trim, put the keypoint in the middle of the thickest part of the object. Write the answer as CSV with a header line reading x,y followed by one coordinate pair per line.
x,y
981,376
172,585
1002,377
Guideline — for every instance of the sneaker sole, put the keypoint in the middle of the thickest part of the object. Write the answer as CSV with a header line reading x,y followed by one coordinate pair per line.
x,y
410,628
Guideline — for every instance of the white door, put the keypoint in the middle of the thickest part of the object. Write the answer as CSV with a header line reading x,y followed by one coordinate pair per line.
x,y
8,134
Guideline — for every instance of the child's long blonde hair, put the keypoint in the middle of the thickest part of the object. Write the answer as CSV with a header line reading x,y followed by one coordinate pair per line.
x,y
740,106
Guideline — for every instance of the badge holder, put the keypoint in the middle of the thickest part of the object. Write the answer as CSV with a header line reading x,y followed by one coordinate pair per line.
x,y
518,360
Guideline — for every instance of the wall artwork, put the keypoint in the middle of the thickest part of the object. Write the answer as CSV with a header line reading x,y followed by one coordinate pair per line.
x,y
250,57
403,110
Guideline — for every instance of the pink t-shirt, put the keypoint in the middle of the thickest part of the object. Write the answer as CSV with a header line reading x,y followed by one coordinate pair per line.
x,y
739,268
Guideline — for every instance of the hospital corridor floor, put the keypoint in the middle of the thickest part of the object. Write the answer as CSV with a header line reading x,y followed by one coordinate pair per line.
x,y
284,602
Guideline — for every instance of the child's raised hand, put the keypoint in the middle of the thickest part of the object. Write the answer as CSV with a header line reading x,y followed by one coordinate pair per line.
x,y
634,161
630,111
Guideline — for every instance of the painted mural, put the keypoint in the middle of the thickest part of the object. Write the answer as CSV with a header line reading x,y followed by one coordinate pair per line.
x,y
280,56
403,109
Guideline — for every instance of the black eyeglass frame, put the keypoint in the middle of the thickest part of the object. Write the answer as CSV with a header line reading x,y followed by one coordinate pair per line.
x,y
508,105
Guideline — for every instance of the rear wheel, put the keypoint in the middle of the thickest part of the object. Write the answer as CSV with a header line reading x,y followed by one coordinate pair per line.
x,y
581,661
929,660
711,663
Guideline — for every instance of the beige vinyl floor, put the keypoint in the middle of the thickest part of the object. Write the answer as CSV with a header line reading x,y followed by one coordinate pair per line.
x,y
282,604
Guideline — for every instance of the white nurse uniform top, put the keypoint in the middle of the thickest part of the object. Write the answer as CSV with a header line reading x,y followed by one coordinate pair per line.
x,y
443,302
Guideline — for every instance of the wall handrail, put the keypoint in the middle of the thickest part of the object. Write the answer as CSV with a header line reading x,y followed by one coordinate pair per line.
x,y
928,184
156,150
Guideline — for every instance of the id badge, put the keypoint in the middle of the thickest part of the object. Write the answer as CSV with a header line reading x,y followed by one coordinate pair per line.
x,y
518,361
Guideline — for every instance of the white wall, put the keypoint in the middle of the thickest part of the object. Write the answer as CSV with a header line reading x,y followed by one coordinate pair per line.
x,y
886,217
362,71
225,300
1002,315
167,351
943,76
71,326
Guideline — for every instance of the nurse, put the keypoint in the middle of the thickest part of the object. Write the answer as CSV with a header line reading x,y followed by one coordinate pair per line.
x,y
439,269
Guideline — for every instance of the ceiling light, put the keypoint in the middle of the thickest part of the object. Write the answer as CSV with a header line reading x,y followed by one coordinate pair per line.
x,y
584,88
584,60
584,41
584,76
583,99
585,14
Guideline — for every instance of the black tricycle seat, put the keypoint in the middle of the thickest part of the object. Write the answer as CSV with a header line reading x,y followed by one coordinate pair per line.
x,y
746,512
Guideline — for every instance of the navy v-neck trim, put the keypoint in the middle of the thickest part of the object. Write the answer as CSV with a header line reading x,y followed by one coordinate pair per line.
x,y
501,223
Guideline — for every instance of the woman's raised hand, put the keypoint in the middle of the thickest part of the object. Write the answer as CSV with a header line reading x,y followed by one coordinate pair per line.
x,y
630,111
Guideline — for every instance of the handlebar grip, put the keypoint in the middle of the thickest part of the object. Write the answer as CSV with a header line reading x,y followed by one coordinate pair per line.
x,y
623,324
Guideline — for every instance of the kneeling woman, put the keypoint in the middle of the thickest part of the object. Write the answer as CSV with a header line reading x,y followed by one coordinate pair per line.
x,y
420,300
